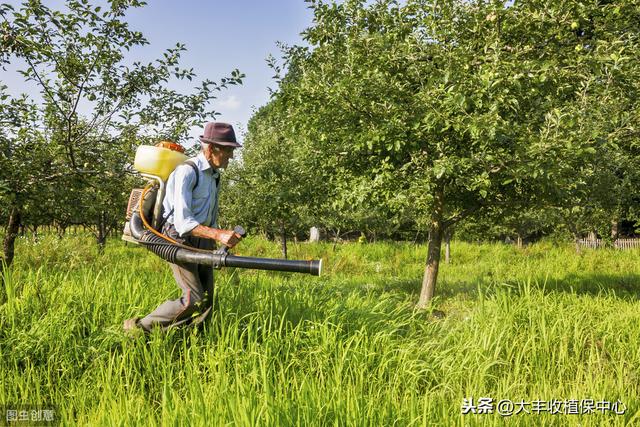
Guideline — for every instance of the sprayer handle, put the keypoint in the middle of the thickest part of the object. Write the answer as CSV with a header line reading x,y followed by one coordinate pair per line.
x,y
238,229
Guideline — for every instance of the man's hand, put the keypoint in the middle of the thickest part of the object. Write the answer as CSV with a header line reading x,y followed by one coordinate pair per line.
x,y
226,237
229,238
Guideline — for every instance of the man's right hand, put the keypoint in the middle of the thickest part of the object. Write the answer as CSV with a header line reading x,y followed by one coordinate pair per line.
x,y
226,237
229,238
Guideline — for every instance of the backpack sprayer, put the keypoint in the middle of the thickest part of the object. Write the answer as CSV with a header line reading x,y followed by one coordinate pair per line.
x,y
144,217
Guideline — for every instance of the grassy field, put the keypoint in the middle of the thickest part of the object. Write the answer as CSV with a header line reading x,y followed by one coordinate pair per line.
x,y
538,324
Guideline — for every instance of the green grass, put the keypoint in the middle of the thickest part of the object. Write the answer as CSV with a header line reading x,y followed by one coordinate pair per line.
x,y
345,349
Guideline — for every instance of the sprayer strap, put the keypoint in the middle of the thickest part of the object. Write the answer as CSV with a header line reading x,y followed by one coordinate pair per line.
x,y
195,169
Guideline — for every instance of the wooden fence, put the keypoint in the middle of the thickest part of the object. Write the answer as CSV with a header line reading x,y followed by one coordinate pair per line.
x,y
618,244
626,243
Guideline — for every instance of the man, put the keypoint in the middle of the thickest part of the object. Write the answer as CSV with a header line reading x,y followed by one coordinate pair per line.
x,y
190,211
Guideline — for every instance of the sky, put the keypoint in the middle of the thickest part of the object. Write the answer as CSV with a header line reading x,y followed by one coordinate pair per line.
x,y
220,36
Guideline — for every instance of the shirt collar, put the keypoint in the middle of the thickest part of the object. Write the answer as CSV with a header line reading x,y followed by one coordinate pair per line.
x,y
203,163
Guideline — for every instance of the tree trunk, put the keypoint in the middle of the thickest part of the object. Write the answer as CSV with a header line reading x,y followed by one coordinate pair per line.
x,y
101,237
13,227
615,229
61,231
447,247
519,241
283,237
433,256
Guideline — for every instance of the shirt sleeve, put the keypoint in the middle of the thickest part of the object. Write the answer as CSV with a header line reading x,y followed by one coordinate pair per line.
x,y
183,218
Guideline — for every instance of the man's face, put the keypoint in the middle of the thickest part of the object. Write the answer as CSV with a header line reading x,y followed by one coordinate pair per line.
x,y
219,156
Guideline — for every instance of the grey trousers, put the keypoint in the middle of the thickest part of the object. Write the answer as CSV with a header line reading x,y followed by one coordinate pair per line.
x,y
196,283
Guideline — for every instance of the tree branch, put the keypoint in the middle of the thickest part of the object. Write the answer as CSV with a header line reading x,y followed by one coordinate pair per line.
x,y
33,68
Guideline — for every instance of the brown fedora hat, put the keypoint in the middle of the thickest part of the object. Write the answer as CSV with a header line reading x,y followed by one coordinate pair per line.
x,y
220,134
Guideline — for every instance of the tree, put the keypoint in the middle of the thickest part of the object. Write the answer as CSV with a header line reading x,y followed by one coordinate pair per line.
x,y
273,187
598,192
17,123
447,108
93,107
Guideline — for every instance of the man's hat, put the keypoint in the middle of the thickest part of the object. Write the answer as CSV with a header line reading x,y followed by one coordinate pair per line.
x,y
220,134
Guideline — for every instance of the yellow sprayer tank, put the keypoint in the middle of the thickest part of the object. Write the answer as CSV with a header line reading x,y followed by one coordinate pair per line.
x,y
157,161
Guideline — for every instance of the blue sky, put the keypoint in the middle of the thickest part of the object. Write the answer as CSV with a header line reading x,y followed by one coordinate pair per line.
x,y
220,36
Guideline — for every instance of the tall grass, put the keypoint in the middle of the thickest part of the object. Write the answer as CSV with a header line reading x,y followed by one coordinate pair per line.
x,y
345,349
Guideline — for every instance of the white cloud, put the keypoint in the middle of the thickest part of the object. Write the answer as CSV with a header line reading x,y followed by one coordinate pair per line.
x,y
230,103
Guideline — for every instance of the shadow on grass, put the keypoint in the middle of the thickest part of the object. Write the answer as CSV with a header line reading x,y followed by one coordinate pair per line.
x,y
623,286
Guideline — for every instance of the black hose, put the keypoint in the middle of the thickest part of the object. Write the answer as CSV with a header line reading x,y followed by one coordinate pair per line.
x,y
175,254
160,247
293,266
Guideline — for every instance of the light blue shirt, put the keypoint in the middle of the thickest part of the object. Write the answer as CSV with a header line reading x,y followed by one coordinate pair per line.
x,y
192,206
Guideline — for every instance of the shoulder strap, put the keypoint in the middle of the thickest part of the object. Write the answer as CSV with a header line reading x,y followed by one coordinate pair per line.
x,y
195,169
